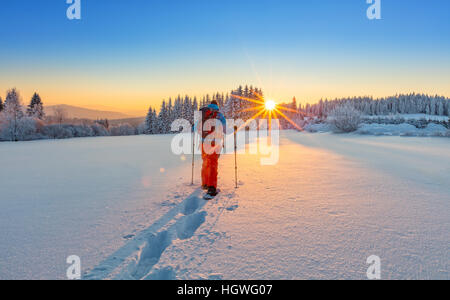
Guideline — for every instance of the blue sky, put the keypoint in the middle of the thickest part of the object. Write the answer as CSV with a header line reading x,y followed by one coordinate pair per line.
x,y
129,54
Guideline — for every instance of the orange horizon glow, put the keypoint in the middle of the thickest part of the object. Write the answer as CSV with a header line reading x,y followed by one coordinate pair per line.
x,y
116,88
135,101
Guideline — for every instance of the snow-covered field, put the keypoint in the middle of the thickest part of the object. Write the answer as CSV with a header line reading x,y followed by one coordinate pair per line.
x,y
125,207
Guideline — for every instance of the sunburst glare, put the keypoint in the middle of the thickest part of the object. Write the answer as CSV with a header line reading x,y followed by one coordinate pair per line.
x,y
268,108
270,105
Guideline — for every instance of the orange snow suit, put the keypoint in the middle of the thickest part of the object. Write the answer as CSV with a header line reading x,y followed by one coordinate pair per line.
x,y
210,157
210,168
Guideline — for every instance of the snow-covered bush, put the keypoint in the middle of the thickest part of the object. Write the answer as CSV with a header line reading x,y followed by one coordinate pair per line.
x,y
56,131
23,129
28,129
80,130
122,129
436,130
345,118
99,130
66,131
142,128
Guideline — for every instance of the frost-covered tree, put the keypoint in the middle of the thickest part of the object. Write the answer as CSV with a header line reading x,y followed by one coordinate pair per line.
x,y
170,113
1,104
195,105
238,103
440,108
433,107
163,125
187,109
13,112
150,121
234,105
428,109
228,106
36,107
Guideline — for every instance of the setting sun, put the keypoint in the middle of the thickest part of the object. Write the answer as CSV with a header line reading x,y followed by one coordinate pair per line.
x,y
270,105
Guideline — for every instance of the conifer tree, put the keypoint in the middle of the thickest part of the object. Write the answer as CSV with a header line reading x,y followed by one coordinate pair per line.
x,y
36,107
163,119
170,114
150,121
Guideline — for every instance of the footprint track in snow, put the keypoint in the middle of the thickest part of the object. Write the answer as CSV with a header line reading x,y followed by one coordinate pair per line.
x,y
184,228
180,223
115,264
192,204
206,237
188,225
151,253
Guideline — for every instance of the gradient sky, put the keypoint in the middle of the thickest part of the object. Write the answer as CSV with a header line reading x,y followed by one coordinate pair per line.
x,y
127,55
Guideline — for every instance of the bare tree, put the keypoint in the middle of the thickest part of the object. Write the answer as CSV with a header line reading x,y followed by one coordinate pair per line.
x,y
60,114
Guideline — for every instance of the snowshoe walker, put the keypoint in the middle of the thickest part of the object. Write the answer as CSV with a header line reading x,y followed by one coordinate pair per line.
x,y
211,194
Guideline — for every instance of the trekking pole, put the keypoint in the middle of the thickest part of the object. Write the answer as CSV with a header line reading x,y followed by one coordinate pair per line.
x,y
193,154
235,157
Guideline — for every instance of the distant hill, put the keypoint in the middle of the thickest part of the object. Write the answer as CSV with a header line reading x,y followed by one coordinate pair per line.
x,y
74,112
131,121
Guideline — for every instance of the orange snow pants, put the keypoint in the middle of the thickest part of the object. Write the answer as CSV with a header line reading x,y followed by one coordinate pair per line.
x,y
210,168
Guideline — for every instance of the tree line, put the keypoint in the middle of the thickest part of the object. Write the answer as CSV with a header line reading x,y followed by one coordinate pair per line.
x,y
400,104
234,106
29,123
19,123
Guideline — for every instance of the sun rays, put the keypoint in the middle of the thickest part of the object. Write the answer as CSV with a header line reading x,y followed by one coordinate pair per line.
x,y
266,108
